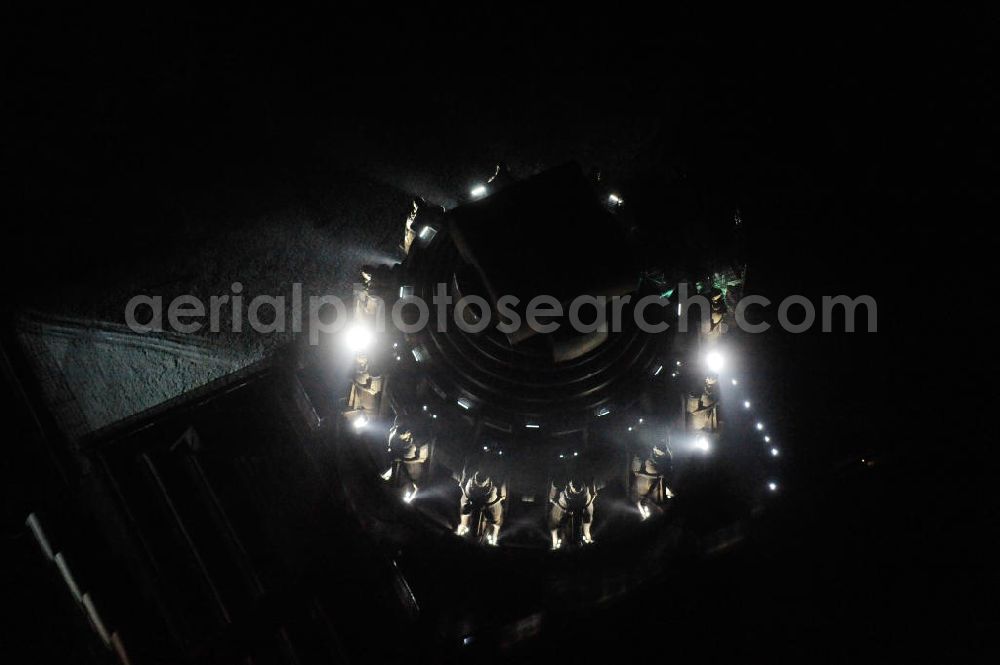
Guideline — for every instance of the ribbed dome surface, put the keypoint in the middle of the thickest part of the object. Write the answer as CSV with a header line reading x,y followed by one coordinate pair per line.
x,y
522,382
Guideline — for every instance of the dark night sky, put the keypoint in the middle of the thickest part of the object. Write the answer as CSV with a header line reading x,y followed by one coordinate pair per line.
x,y
841,137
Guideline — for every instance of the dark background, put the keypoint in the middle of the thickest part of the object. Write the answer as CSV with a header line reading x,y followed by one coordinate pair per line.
x,y
856,147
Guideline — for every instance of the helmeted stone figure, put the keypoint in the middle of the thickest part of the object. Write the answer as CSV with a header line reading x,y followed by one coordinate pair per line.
x,y
575,498
408,450
652,470
717,302
703,408
480,492
366,390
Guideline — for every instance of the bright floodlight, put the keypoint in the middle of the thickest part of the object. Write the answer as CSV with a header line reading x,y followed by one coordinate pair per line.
x,y
615,199
773,486
767,439
760,427
478,191
715,361
735,382
702,444
746,404
360,421
358,337
774,452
